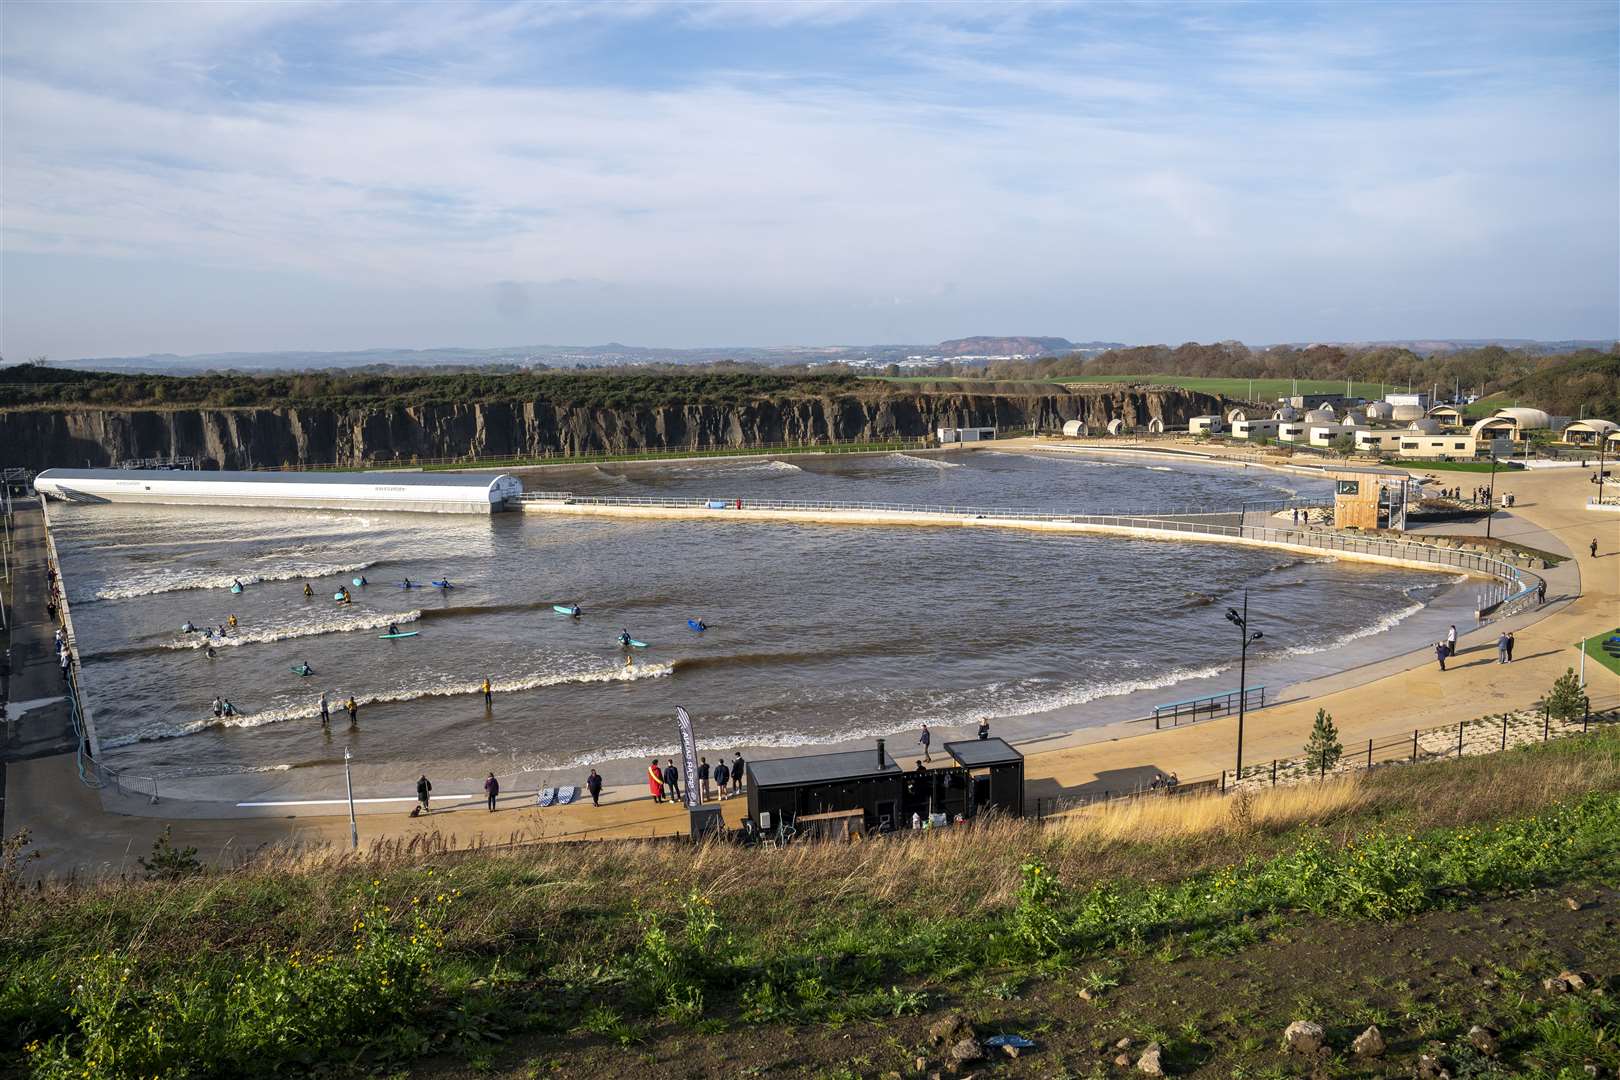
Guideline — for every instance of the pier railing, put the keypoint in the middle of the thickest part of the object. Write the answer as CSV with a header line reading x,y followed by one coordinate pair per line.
x,y
1208,707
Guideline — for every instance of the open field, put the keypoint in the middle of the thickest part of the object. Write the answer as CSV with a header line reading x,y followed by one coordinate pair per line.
x,y
1407,899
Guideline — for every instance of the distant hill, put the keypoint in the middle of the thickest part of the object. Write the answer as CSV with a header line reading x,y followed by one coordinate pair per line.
x,y
1438,346
1005,346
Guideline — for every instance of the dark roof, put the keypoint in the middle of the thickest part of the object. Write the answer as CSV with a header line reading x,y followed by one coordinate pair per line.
x,y
407,479
976,753
821,768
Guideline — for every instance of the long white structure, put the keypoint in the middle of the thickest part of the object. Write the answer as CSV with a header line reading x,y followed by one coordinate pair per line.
x,y
442,493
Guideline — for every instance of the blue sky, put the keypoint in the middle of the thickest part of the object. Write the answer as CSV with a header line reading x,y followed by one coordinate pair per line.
x,y
328,176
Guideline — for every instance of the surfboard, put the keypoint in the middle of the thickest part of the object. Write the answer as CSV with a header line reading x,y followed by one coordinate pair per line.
x,y
695,625
404,633
337,596
443,585
566,609
357,581
634,644
236,588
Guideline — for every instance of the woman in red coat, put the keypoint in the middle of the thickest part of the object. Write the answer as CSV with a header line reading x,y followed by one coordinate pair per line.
x,y
655,781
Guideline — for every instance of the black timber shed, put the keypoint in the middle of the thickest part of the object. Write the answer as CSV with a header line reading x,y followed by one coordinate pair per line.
x,y
985,774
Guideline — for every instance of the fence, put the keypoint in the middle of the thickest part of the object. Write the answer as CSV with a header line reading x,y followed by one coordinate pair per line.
x,y
1209,706
1483,735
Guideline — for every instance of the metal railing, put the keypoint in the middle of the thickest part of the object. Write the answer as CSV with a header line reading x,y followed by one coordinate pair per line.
x,y
1209,706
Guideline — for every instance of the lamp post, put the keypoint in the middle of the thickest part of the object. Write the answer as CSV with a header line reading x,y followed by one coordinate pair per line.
x,y
348,782
1490,498
1242,623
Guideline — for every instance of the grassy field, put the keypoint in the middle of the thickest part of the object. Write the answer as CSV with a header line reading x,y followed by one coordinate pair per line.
x,y
1594,650
1246,389
1406,898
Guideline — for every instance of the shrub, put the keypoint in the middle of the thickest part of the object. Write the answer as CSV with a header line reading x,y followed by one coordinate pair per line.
x,y
1323,750
1566,700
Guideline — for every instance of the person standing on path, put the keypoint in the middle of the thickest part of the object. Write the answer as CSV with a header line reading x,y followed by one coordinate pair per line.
x,y
722,776
655,781
422,789
1510,644
703,779
1451,641
593,784
737,774
1502,648
1594,547
1440,652
923,740
489,700
1541,592
492,788
672,780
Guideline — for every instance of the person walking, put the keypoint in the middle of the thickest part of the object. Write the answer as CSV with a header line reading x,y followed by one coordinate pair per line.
x,y
489,699
326,711
722,776
672,780
423,787
655,781
1510,644
703,779
492,788
1440,653
1594,547
923,740
1451,640
593,784
736,774
1502,648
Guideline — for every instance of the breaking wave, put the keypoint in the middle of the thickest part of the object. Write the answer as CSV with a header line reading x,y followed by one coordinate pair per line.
x,y
466,689
151,586
283,633
925,462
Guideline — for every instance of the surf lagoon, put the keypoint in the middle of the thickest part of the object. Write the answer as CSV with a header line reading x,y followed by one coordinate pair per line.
x,y
817,635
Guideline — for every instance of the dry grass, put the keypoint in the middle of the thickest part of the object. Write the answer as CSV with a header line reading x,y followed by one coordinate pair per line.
x,y
1153,820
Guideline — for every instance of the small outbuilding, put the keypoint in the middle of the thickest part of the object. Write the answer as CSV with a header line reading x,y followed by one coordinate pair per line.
x,y
1204,425
1156,426
1449,415
966,434
1073,429
1590,432
1513,423
1118,426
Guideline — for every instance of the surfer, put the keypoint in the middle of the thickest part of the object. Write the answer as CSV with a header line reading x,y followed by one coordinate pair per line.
x,y
624,638
304,669
221,629
231,622
574,610
489,699
444,583
187,627
219,706
209,652
363,580
629,661
406,584
236,583
701,625
308,591
230,710
352,707
326,712
392,629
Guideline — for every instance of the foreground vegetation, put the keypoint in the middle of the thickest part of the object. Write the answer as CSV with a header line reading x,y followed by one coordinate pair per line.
x,y
601,955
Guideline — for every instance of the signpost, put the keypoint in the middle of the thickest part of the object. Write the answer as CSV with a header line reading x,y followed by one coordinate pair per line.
x,y
704,819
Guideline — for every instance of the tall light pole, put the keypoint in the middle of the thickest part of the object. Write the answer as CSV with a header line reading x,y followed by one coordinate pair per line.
x,y
1490,498
348,782
1242,623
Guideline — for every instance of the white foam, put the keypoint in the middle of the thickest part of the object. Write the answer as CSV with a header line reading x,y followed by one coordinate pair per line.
x,y
467,689
1387,622
284,633
172,581
927,462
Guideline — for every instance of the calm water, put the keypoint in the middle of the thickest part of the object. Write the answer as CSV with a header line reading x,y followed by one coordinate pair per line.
x,y
817,634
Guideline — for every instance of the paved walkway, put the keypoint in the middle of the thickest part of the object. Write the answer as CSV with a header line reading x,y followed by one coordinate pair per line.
x,y
77,836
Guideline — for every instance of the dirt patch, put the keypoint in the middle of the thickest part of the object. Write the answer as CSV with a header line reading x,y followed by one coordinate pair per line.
x,y
1216,1001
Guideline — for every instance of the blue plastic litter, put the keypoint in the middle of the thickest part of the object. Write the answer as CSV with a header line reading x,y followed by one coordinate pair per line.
x,y
1015,1041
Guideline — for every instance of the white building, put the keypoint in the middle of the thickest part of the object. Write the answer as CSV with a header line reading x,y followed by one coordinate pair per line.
x,y
1380,440
443,493
1255,429
1420,400
1210,425
1590,432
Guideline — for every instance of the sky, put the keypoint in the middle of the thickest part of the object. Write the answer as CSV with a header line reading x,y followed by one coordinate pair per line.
x,y
254,177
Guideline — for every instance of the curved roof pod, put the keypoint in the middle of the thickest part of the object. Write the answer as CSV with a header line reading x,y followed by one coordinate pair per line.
x,y
1493,425
1156,426
1235,415
1286,413
1427,425
1524,418
1323,415
437,492
1380,410
1354,419
1405,414
1593,430
1074,428
1118,426
1446,414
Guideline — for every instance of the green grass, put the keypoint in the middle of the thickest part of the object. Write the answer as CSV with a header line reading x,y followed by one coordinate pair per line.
x,y
1594,649
1264,390
1457,466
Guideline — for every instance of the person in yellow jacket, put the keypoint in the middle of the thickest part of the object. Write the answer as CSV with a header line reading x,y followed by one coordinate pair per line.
x,y
489,699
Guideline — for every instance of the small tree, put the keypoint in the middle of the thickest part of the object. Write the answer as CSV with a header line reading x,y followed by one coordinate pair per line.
x,y
1345,444
1324,749
170,863
1566,700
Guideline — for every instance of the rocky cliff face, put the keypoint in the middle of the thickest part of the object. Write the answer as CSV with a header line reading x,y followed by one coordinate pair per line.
x,y
253,438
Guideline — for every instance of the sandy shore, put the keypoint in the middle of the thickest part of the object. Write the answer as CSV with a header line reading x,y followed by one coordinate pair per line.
x,y
80,830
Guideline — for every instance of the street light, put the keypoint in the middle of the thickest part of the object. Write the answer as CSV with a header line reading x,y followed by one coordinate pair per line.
x,y
1490,499
1242,623
348,782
